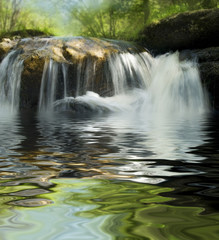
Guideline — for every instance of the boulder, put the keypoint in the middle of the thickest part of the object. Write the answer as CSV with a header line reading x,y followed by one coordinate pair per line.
x,y
189,30
85,59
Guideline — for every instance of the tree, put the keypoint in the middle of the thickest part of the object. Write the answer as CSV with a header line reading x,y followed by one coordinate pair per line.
x,y
9,14
111,19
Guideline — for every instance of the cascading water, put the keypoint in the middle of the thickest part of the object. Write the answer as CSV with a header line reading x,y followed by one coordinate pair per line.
x,y
48,85
10,79
160,86
175,88
133,82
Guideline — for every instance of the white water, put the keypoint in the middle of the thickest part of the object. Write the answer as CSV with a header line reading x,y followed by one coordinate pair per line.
x,y
149,87
48,85
10,79
145,86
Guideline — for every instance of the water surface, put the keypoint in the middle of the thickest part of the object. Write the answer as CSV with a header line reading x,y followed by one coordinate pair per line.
x,y
113,176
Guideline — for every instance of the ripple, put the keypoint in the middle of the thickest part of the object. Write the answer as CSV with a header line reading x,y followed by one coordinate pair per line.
x,y
36,202
29,192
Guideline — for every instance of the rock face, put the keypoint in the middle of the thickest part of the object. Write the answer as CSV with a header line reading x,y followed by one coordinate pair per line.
x,y
209,70
190,30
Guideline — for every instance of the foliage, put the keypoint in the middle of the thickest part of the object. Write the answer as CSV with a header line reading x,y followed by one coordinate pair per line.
x,y
10,11
123,19
116,19
19,15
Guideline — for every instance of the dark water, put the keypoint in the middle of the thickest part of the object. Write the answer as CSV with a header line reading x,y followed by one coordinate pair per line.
x,y
66,177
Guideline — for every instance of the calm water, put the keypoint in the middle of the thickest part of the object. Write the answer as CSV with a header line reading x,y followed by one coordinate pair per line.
x,y
66,177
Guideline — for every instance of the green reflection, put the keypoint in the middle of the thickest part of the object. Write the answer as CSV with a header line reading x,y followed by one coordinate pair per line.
x,y
104,209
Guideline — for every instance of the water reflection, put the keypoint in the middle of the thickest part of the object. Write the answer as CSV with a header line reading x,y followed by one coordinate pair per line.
x,y
123,146
108,177
10,136
113,146
107,209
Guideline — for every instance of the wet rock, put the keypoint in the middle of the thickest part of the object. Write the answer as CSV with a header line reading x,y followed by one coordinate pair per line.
x,y
201,55
31,81
190,30
210,77
6,45
208,60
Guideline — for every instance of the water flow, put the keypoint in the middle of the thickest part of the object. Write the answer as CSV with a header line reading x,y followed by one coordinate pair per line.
x,y
65,78
151,87
123,74
129,71
175,88
48,86
137,82
10,80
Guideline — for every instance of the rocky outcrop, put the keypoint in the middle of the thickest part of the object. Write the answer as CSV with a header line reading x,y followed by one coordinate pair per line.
x,y
190,30
85,58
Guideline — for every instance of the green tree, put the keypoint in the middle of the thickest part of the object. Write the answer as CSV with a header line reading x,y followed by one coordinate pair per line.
x,y
111,19
116,19
9,14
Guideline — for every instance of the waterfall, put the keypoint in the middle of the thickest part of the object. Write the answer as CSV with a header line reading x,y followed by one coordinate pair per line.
x,y
65,77
48,85
175,88
162,86
10,79
130,70
123,80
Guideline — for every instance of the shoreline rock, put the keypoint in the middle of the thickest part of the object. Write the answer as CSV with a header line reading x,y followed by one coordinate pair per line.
x,y
189,30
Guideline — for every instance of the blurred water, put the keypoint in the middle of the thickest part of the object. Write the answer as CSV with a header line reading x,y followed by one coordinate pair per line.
x,y
10,78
